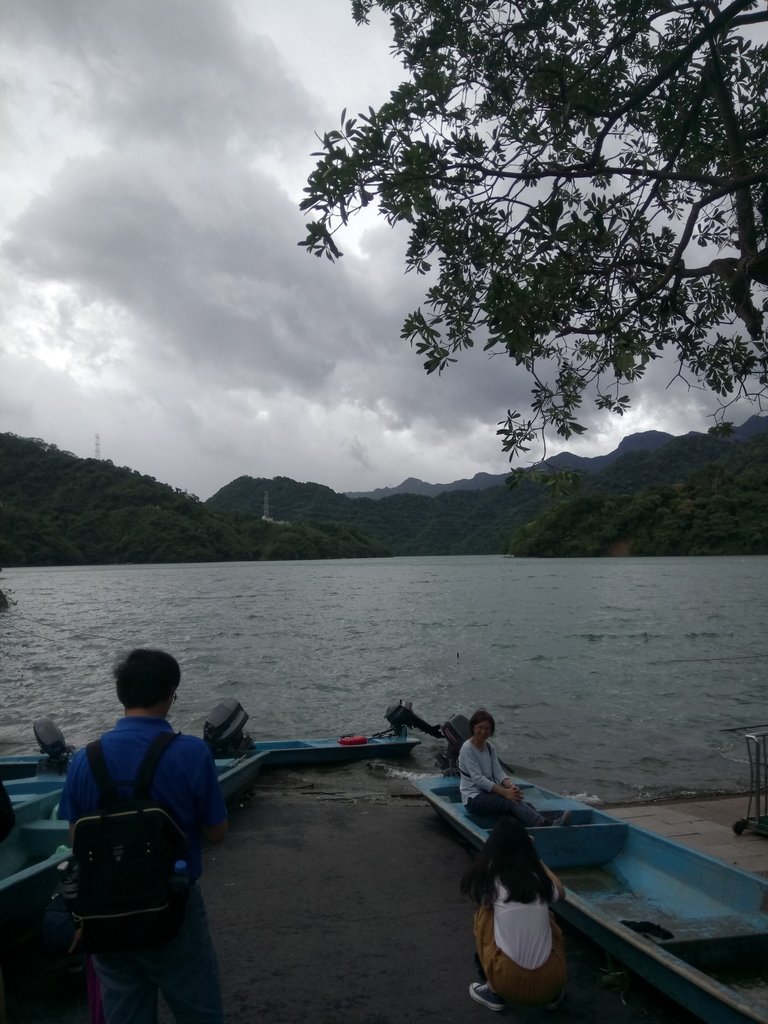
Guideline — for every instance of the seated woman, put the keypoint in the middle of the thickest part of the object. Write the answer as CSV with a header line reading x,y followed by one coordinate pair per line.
x,y
487,789
519,946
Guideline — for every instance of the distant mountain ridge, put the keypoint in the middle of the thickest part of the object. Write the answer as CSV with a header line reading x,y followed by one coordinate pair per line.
x,y
482,521
694,494
479,482
642,441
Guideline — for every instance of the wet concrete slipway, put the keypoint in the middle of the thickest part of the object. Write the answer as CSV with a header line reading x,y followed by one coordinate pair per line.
x,y
335,900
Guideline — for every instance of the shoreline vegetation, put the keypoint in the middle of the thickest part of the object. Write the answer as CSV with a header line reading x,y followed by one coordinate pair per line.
x,y
695,495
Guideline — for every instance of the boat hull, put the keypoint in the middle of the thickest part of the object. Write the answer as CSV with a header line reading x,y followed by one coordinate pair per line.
x,y
703,924
29,858
41,791
19,766
39,842
288,753
236,775
284,753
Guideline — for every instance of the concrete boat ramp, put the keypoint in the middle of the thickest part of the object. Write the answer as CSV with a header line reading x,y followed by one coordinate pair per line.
x,y
705,825
335,900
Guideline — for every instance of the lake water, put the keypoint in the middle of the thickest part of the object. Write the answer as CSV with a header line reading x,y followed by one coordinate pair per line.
x,y
610,679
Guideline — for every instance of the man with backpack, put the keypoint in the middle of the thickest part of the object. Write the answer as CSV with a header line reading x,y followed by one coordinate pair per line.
x,y
126,797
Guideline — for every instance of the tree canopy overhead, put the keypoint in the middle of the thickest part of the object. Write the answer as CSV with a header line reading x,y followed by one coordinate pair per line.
x,y
586,188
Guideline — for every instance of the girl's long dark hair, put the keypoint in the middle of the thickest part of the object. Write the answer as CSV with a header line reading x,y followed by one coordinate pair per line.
x,y
509,859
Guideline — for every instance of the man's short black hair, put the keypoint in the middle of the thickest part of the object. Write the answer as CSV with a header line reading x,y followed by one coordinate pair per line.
x,y
146,677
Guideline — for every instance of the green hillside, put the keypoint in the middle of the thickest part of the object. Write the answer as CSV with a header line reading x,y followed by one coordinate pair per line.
x,y
57,509
695,495
719,509
452,523
463,522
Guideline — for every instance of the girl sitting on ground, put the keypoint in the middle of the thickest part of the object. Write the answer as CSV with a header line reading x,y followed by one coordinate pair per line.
x,y
519,946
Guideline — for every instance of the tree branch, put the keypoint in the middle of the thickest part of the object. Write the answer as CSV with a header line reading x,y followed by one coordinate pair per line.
x,y
680,60
745,217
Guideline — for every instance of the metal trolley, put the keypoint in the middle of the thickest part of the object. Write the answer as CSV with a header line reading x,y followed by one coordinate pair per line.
x,y
756,819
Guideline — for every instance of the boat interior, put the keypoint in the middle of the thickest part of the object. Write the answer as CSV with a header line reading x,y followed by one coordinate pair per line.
x,y
712,916
35,837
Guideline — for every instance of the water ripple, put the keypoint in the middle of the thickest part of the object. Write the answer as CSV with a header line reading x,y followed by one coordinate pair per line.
x,y
612,678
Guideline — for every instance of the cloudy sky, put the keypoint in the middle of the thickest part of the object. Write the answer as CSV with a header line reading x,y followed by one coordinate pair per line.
x,y
151,288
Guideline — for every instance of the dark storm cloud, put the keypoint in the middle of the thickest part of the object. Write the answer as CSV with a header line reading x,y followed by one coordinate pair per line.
x,y
173,69
152,288
219,279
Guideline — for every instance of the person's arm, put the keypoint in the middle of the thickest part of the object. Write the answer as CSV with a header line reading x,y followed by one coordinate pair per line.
x,y
215,833
507,789
557,886
471,766
212,811
503,785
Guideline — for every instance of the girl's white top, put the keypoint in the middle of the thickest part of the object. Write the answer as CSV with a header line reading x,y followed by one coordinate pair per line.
x,y
522,930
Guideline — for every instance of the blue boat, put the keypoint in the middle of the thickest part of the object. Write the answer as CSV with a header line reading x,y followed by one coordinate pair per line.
x,y
29,858
51,760
332,750
224,733
236,774
39,842
693,926
20,766
41,792
30,855
283,753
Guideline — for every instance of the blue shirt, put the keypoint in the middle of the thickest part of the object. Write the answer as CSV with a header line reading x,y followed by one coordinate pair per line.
x,y
185,781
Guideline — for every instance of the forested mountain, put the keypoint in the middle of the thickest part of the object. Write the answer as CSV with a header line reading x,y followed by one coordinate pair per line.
x,y
484,521
57,509
694,495
453,523
719,509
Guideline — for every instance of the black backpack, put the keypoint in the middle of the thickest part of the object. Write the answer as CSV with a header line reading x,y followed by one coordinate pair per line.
x,y
125,854
7,817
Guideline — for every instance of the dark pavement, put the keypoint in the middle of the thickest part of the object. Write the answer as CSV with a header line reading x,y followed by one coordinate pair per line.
x,y
343,907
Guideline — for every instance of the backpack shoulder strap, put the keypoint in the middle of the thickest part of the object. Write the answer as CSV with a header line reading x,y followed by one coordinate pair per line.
x,y
98,766
105,783
149,764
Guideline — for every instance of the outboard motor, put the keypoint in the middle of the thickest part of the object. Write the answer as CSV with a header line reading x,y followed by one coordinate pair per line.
x,y
456,732
50,739
402,716
223,729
